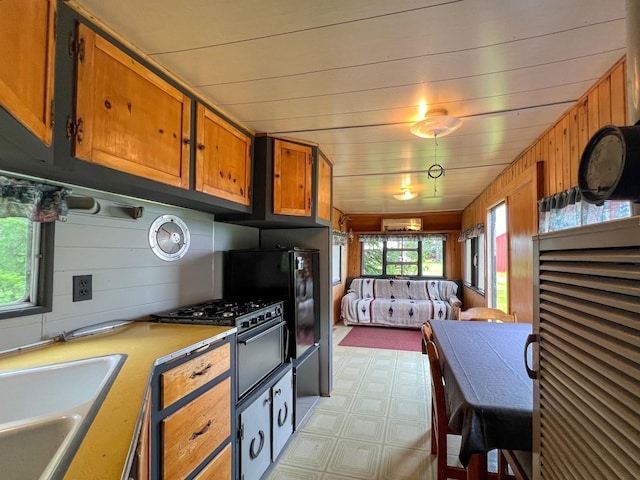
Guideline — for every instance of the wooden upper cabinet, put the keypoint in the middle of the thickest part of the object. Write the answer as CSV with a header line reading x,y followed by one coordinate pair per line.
x,y
127,117
292,188
223,158
27,50
325,175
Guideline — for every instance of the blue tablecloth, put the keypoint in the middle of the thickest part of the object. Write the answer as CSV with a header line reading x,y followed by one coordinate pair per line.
x,y
489,395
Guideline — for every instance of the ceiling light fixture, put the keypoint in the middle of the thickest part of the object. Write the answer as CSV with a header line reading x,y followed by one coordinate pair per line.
x,y
406,195
436,123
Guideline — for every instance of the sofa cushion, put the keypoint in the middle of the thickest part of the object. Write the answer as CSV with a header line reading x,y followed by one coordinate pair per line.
x,y
400,312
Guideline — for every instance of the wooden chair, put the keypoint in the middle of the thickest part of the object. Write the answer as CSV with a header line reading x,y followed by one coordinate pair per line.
x,y
427,336
520,463
439,418
485,314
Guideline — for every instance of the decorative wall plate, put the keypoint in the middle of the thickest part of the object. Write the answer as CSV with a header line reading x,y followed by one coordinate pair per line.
x,y
169,237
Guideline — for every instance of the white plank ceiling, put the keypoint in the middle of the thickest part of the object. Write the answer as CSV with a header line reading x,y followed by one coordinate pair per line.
x,y
353,75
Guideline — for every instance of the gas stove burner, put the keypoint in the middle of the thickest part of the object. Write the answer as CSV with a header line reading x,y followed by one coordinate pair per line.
x,y
220,312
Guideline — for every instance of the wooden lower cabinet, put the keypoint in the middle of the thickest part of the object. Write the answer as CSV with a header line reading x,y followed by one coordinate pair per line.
x,y
193,374
219,468
192,417
189,434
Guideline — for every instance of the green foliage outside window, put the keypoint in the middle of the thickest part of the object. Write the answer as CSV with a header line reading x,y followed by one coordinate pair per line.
x,y
403,257
15,268
372,258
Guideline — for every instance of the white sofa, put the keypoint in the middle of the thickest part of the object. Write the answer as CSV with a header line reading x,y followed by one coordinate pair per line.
x,y
402,302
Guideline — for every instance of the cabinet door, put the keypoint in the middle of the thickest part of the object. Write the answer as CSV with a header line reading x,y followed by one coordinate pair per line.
x,y
127,117
223,158
255,439
193,432
282,419
292,190
324,188
26,71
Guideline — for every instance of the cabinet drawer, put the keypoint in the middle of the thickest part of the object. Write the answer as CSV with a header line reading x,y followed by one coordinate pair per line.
x,y
219,468
193,432
183,379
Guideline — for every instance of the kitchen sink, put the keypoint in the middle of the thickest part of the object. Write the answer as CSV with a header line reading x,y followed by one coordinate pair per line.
x,y
45,412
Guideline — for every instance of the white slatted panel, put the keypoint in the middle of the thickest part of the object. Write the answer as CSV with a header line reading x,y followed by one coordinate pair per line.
x,y
589,326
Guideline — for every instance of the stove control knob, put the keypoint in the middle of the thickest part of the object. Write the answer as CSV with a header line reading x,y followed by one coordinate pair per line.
x,y
278,310
268,314
245,324
261,317
254,321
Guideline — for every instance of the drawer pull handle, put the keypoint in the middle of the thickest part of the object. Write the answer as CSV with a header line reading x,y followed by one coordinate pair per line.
x,y
195,435
200,372
252,453
281,421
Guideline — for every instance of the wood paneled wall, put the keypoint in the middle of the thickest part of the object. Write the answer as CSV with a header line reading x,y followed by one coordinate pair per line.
x,y
551,162
338,290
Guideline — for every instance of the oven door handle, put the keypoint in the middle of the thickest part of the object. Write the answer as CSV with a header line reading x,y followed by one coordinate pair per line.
x,y
253,338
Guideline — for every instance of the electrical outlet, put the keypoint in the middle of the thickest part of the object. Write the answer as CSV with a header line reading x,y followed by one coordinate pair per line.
x,y
82,288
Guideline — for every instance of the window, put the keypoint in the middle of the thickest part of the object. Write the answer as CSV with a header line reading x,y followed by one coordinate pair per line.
x,y
474,263
407,256
25,270
28,212
497,274
336,263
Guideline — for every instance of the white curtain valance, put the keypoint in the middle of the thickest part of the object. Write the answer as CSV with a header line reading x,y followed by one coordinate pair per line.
x,y
395,237
36,201
472,232
339,238
567,209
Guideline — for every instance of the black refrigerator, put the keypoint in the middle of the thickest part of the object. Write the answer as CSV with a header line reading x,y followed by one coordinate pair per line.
x,y
287,274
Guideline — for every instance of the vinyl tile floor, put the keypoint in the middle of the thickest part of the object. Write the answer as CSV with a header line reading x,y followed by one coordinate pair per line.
x,y
374,426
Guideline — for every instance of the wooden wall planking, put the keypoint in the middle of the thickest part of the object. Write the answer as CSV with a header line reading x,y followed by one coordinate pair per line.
x,y
557,151
338,290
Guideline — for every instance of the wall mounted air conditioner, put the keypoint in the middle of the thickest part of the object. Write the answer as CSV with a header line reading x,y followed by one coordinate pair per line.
x,y
401,224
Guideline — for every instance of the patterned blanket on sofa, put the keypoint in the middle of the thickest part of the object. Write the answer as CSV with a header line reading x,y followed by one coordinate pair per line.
x,y
399,302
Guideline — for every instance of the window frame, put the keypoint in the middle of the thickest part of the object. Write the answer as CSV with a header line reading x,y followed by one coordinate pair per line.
x,y
418,263
336,264
474,263
42,277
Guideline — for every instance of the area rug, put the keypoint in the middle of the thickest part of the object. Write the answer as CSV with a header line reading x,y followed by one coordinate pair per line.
x,y
384,337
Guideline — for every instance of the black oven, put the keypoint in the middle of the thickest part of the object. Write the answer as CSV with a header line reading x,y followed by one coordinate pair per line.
x,y
261,340
259,351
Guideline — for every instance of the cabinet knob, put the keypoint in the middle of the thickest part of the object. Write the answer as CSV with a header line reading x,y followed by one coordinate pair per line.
x,y
186,141
201,147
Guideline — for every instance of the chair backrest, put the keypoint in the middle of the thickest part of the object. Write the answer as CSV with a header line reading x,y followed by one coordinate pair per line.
x,y
427,336
484,314
437,385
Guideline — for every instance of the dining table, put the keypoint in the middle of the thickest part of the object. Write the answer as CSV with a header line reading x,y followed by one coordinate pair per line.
x,y
488,392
